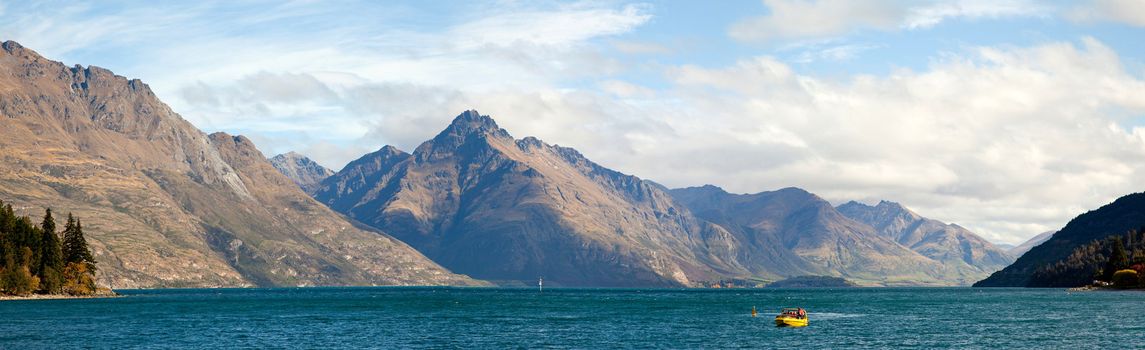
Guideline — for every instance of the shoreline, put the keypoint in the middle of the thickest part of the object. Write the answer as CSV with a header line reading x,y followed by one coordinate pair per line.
x,y
57,296
1098,289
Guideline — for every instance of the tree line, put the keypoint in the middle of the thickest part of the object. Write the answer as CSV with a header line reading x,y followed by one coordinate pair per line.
x,y
1104,260
36,258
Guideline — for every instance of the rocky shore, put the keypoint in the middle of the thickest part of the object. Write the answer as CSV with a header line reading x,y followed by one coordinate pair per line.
x,y
103,293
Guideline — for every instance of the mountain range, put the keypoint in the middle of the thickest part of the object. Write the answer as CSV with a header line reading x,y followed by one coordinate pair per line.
x,y
483,203
167,205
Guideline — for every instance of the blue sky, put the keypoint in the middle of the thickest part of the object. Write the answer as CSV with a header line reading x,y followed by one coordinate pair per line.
x,y
1008,117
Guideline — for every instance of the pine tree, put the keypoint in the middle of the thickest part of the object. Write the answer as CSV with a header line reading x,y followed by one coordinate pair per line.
x,y
28,236
1117,259
6,244
75,249
51,257
79,265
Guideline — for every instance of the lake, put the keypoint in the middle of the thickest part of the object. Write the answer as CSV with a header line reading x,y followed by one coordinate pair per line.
x,y
416,317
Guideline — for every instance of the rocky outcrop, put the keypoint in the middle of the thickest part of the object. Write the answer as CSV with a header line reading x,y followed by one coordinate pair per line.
x,y
304,172
166,205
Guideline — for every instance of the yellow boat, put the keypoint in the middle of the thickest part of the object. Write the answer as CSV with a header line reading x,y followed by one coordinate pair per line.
x,y
791,317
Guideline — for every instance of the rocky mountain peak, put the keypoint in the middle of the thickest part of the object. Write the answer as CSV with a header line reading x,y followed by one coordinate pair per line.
x,y
711,188
469,131
305,172
390,150
472,122
11,46
884,212
888,206
530,143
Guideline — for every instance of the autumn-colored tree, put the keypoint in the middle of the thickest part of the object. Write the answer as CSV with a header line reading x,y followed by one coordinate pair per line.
x,y
17,277
78,279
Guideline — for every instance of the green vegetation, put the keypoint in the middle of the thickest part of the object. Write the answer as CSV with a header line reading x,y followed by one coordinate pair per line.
x,y
33,260
1126,278
1101,260
812,282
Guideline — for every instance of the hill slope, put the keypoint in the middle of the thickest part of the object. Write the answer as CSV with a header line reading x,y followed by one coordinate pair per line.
x,y
165,204
1121,216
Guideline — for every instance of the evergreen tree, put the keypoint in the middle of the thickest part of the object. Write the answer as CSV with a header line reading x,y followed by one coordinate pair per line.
x,y
79,265
6,244
51,257
28,236
75,249
1118,260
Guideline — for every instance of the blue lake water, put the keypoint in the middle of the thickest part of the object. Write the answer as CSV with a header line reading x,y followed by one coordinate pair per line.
x,y
578,318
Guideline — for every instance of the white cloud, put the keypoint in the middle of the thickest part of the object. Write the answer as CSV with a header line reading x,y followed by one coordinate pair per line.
x,y
937,12
836,53
815,19
626,90
640,48
1131,12
566,26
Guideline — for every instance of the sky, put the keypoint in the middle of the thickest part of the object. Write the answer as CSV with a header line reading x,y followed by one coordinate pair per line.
x,y
1007,117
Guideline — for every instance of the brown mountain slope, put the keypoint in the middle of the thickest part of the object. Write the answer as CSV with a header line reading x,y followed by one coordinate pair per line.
x,y
165,204
950,244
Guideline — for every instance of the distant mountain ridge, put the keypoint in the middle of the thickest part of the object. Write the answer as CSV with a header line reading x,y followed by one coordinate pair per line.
x,y
829,242
948,243
300,169
166,205
483,203
1040,238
